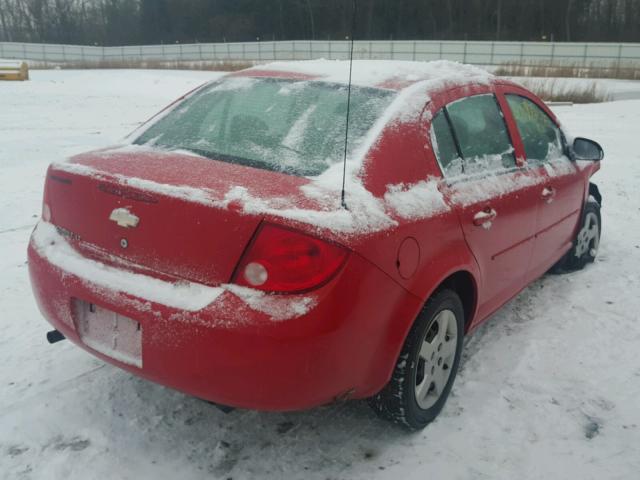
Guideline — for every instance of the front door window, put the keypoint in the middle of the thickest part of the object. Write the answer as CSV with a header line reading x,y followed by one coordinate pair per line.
x,y
541,137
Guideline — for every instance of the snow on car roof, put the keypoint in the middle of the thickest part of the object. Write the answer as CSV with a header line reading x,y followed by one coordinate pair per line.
x,y
391,74
415,83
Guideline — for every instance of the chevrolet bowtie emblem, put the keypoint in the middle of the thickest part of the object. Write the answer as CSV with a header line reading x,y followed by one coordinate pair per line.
x,y
124,218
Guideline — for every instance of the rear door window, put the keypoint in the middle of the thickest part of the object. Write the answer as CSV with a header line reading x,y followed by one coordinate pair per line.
x,y
482,134
479,133
445,145
541,137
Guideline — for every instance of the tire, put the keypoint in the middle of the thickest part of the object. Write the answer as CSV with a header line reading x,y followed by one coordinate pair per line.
x,y
427,365
585,245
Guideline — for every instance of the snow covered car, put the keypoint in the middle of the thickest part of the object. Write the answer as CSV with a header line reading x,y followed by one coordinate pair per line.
x,y
213,253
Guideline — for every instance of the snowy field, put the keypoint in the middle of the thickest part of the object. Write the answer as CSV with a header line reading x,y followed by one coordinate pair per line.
x,y
549,388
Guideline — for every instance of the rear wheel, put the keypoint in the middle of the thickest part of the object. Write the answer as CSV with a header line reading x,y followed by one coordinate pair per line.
x,y
427,366
587,241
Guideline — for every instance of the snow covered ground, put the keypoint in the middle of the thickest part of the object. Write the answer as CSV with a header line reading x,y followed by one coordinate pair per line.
x,y
548,388
613,89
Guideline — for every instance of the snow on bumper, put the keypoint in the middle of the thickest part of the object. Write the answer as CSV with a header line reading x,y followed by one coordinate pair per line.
x,y
231,345
50,244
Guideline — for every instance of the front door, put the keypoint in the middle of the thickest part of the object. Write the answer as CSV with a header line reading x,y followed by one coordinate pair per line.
x,y
561,192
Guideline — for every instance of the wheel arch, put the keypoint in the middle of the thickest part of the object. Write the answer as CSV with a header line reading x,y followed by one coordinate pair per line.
x,y
449,264
594,191
464,284
461,281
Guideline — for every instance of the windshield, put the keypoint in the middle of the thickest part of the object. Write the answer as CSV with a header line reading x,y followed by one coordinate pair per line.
x,y
296,127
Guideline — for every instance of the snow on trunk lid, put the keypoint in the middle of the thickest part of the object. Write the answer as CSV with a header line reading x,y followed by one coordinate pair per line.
x,y
173,229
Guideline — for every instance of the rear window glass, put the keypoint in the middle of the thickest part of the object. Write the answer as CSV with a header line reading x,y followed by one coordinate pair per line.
x,y
296,127
482,135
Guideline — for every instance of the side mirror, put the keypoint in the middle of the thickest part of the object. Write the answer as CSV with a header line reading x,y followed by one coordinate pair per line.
x,y
585,149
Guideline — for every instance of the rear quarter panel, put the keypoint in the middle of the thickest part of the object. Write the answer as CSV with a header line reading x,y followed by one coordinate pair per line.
x,y
404,156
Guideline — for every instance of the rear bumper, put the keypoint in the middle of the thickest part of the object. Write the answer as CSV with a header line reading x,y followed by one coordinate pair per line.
x,y
232,353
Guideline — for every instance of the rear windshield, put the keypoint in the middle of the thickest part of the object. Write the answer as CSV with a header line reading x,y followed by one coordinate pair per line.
x,y
296,127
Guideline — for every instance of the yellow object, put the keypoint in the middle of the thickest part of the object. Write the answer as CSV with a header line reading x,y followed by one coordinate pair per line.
x,y
12,70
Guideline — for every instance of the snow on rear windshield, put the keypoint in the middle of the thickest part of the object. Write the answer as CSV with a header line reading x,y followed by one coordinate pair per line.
x,y
296,127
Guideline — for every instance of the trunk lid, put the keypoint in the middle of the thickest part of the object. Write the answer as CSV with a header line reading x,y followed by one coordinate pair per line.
x,y
160,211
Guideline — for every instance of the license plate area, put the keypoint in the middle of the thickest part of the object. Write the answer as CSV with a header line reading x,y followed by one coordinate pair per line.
x,y
109,333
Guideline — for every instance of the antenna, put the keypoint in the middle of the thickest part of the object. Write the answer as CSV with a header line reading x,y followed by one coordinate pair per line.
x,y
346,131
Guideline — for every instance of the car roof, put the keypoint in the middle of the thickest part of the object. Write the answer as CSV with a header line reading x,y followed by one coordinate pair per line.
x,y
385,74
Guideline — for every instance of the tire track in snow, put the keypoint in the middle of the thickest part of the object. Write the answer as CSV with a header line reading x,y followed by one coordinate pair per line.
x,y
6,410
18,229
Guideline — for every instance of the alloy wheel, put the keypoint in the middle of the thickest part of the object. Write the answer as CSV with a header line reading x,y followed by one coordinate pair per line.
x,y
435,359
589,237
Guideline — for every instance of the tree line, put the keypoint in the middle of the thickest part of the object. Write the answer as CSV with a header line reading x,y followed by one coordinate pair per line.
x,y
126,22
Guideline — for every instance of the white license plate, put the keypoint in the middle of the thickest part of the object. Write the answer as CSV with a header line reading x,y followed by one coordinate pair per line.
x,y
109,333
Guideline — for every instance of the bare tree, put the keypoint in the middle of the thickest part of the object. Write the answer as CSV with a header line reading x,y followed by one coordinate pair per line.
x,y
117,22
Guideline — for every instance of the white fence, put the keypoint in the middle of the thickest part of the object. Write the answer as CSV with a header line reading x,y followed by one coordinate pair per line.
x,y
618,55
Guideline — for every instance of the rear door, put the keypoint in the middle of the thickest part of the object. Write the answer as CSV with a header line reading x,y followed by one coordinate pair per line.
x,y
561,189
495,198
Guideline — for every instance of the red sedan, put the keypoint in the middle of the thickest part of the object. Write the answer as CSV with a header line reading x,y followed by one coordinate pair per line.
x,y
212,253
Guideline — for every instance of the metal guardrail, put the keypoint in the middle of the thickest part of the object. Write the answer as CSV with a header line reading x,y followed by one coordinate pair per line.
x,y
605,55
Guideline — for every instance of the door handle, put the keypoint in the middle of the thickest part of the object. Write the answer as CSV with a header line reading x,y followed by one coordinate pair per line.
x,y
548,193
485,217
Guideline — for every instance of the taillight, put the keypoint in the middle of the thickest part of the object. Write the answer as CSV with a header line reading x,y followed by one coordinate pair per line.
x,y
46,212
285,261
